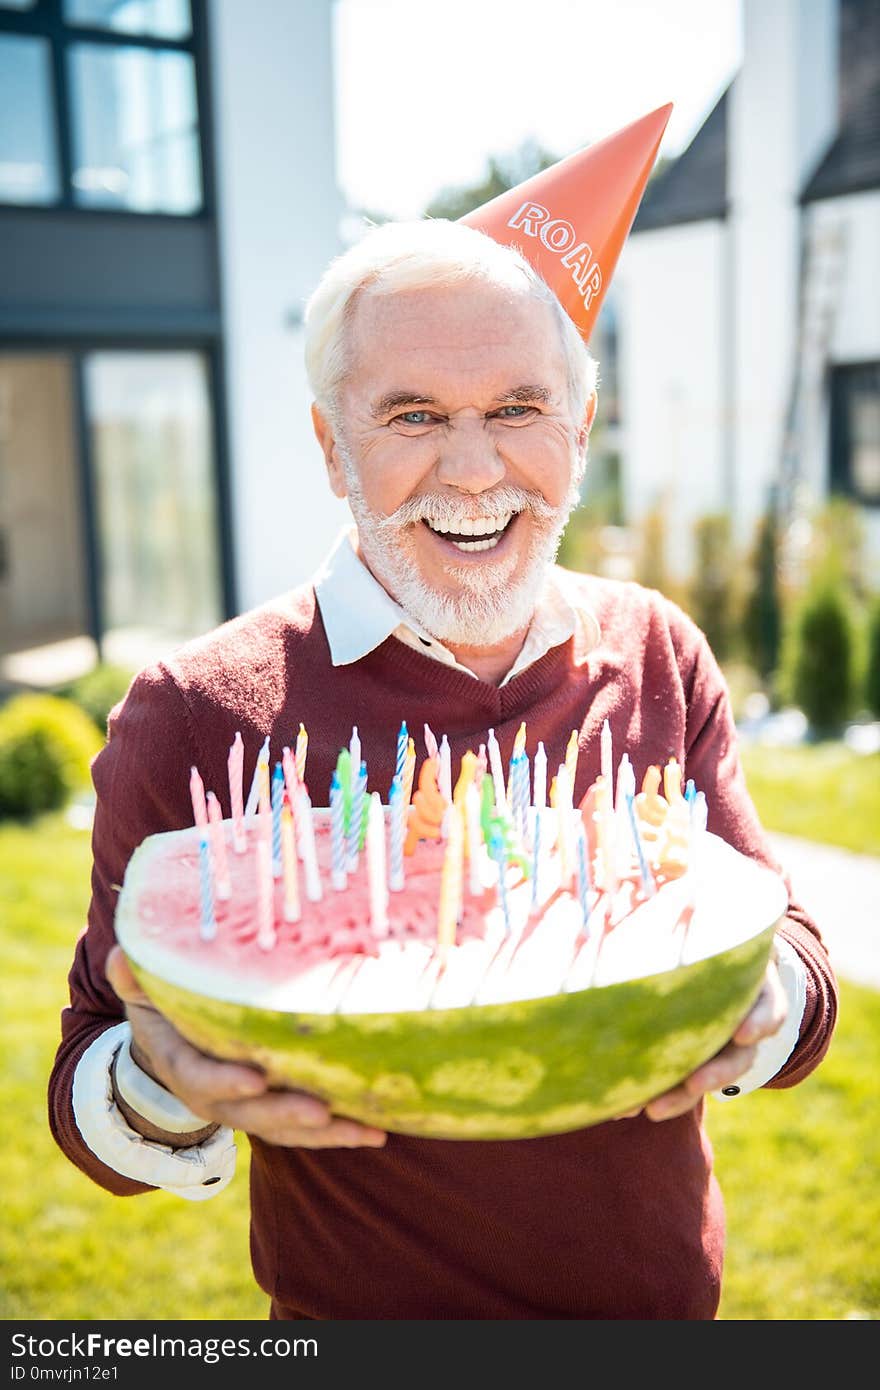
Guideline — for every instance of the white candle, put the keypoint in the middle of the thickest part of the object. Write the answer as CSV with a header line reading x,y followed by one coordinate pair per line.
x,y
376,865
540,793
606,757
497,771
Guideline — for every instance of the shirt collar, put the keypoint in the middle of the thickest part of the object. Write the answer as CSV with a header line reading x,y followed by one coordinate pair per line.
x,y
359,615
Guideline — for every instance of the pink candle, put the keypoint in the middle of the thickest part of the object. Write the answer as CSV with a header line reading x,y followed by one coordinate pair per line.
x,y
218,848
197,793
265,895
235,764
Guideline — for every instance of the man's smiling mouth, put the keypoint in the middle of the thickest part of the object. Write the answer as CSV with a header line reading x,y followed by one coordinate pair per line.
x,y
481,533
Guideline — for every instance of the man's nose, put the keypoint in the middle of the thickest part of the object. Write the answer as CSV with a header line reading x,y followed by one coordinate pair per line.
x,y
468,458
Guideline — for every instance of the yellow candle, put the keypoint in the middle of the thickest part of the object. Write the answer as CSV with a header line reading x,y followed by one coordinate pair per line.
x,y
409,768
519,743
571,757
451,882
465,777
302,745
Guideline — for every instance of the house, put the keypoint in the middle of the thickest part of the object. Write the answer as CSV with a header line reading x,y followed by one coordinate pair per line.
x,y
167,202
747,299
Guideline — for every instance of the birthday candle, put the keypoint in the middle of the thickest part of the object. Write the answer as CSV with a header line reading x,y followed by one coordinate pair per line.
x,y
302,748
208,924
690,791
308,850
291,784
496,849
356,817
354,749
253,800
451,882
218,848
292,908
536,856
235,766
402,745
444,776
605,755
563,800
482,765
474,837
519,743
571,757
397,825
338,876
277,798
431,744
540,777
264,802
626,787
497,770
647,877
604,817
583,876
376,867
523,793
265,896
409,769
197,796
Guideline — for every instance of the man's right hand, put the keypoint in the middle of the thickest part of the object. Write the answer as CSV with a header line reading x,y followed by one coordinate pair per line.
x,y
226,1093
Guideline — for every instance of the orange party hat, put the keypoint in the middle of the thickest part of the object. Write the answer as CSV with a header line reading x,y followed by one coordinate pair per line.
x,y
571,220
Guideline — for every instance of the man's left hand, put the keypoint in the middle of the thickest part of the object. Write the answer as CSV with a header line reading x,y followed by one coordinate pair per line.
x,y
765,1018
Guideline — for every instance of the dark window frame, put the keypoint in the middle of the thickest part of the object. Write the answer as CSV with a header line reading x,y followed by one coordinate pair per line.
x,y
45,20
841,481
76,349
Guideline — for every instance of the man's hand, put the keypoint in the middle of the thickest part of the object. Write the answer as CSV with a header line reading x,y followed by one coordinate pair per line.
x,y
765,1018
228,1093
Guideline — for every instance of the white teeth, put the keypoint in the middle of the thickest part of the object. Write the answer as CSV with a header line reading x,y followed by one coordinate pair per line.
x,y
479,526
470,546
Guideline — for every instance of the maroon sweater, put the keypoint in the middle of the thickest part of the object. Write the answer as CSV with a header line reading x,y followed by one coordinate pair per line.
x,y
621,1220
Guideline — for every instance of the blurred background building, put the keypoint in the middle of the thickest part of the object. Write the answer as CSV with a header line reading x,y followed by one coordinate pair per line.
x,y
168,200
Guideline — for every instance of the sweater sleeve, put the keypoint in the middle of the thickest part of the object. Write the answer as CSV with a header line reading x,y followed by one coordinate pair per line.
x,y
141,784
712,760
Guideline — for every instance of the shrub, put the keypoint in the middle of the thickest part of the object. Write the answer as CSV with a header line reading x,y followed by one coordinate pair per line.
x,y
46,746
98,691
820,675
710,594
872,660
762,615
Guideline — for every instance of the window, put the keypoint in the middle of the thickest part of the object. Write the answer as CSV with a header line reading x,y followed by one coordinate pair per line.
x,y
855,432
99,105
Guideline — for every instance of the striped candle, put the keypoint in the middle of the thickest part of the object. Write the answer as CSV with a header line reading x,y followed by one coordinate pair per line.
x,y
253,800
496,849
355,819
291,786
218,848
265,896
277,797
338,875
536,856
583,875
397,826
208,922
402,745
647,877
292,906
409,771
235,767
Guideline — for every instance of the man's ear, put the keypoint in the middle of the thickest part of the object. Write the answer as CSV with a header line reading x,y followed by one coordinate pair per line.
x,y
327,440
587,422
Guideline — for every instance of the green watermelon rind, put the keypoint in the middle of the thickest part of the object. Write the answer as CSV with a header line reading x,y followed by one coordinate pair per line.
x,y
498,1071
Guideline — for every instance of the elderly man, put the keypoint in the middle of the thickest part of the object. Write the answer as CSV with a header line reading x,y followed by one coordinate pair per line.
x,y
453,404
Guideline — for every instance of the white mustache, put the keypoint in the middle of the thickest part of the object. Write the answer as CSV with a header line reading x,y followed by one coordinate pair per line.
x,y
448,511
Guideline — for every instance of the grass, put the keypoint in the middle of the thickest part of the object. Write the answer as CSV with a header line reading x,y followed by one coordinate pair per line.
x,y
821,791
798,1168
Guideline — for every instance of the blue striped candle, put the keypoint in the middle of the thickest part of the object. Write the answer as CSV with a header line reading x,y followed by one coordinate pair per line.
x,y
338,876
496,849
647,877
397,819
277,800
208,924
402,742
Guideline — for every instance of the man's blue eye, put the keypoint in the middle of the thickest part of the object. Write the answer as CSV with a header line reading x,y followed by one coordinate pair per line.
x,y
514,411
415,417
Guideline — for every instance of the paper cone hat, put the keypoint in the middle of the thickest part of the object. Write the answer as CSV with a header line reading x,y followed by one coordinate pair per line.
x,y
572,219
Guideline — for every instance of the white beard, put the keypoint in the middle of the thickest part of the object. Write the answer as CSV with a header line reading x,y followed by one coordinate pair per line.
x,y
489,607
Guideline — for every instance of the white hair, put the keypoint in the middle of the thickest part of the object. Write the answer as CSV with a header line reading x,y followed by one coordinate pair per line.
x,y
418,255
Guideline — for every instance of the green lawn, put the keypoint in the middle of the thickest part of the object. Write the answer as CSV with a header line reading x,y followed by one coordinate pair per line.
x,y
798,1168
821,791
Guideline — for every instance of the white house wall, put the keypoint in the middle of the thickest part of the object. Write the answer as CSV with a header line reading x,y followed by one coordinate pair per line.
x,y
670,287
279,214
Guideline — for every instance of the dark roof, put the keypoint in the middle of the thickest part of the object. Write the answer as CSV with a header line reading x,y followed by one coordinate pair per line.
x,y
852,162
694,187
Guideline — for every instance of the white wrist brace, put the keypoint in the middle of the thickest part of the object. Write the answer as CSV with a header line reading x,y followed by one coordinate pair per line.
x,y
150,1100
